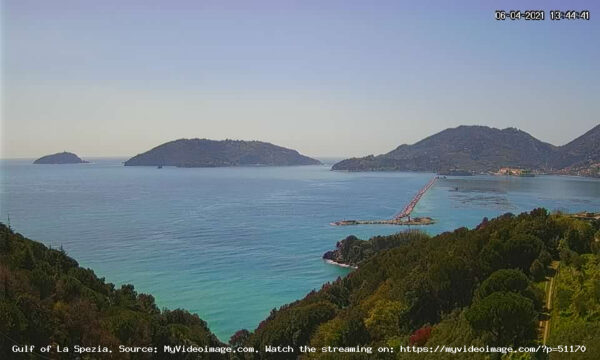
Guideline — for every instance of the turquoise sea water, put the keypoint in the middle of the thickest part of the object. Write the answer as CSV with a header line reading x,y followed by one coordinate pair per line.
x,y
230,244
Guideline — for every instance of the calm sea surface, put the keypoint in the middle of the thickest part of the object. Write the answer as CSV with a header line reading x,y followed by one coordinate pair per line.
x,y
230,244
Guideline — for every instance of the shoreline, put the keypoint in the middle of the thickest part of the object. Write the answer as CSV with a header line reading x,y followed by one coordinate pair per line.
x,y
347,266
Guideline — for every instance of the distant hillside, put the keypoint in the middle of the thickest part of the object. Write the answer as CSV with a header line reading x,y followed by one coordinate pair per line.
x,y
480,149
581,155
474,148
60,158
211,153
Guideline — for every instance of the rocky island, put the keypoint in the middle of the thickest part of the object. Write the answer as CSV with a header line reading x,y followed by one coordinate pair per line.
x,y
60,158
212,153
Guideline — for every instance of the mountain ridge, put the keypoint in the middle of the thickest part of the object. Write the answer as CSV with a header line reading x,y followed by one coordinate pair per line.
x,y
480,149
583,150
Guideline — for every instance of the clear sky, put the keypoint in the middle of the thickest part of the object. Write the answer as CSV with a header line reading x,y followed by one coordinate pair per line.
x,y
328,78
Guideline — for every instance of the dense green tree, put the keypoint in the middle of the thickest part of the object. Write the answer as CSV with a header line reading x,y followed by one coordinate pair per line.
x,y
453,282
575,241
537,270
521,250
239,338
353,332
503,280
41,279
386,319
12,324
508,317
545,257
595,244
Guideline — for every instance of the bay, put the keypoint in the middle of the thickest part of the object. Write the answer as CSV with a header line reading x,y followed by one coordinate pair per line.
x,y
230,244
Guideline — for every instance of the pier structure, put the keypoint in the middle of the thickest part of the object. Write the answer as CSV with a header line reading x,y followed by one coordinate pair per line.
x,y
398,219
411,205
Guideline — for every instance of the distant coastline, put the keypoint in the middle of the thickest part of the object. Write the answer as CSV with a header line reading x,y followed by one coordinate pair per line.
x,y
468,150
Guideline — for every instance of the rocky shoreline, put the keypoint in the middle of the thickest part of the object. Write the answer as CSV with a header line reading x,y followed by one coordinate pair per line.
x,y
352,251
332,262
412,221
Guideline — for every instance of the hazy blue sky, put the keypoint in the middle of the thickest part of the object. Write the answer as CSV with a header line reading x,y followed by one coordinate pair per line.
x,y
328,78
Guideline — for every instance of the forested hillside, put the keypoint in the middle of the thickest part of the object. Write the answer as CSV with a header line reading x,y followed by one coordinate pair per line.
x,y
352,251
484,149
46,298
466,287
575,316
472,148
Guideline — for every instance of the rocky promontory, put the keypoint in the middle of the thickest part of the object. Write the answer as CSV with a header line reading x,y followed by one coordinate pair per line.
x,y
352,251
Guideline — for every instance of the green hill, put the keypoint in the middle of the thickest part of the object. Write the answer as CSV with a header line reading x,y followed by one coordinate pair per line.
x,y
466,287
210,153
483,149
582,155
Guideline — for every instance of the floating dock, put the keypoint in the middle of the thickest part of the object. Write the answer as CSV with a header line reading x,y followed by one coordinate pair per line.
x,y
398,219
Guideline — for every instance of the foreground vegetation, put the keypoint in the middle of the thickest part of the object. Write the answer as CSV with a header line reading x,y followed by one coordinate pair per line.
x,y
352,250
575,316
46,298
467,287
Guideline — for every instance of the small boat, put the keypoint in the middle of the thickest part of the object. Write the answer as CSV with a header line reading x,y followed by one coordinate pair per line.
x,y
159,167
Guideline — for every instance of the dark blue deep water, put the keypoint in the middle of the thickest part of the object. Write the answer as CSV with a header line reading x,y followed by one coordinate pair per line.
x,y
230,244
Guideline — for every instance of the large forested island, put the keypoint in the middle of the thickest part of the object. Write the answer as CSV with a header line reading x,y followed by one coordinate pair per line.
x,y
211,153
488,286
479,149
60,158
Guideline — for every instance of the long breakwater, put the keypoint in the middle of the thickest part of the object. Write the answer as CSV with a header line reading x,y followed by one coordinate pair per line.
x,y
411,205
398,219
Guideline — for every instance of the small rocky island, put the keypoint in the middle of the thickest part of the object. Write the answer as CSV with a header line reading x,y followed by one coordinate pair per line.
x,y
212,153
60,158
